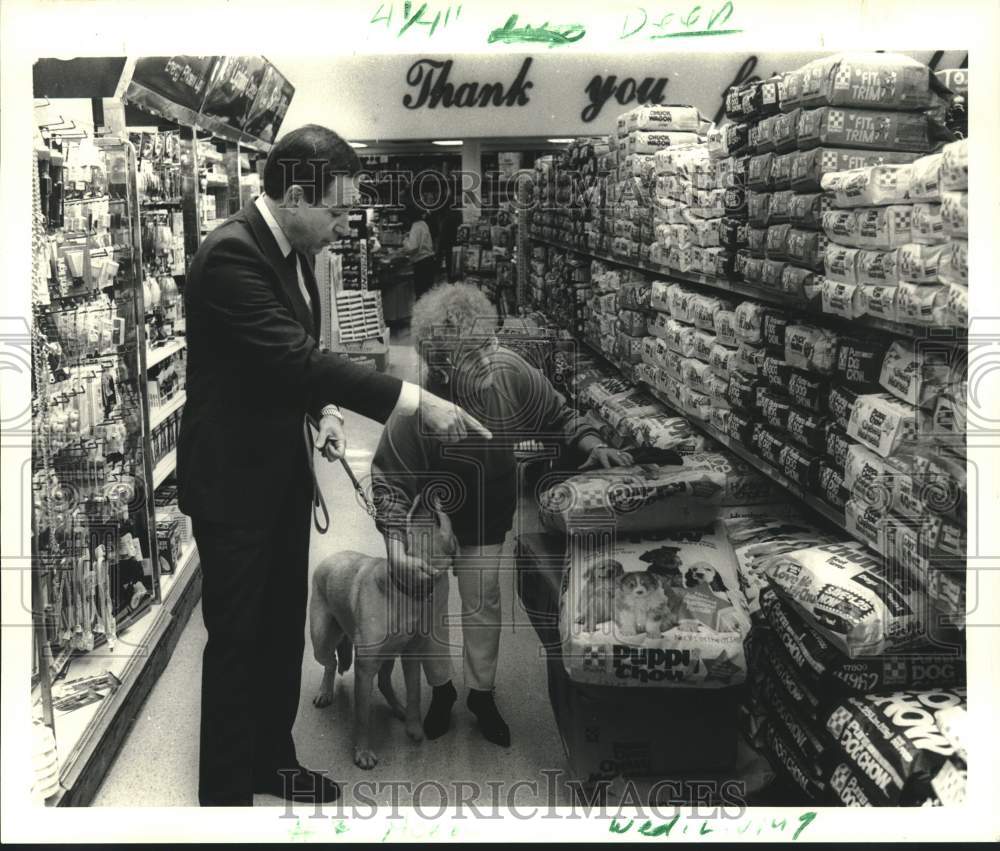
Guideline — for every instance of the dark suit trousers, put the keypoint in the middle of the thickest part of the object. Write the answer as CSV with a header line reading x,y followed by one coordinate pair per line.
x,y
254,593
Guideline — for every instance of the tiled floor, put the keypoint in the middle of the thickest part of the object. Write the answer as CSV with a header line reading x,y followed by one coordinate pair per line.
x,y
157,765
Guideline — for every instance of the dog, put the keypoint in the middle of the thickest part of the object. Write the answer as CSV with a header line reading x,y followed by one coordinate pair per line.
x,y
597,597
375,609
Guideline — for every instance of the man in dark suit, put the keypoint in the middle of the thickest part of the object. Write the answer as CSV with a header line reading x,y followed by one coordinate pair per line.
x,y
254,371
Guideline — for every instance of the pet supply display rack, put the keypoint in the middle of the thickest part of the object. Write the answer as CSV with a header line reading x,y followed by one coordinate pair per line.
x,y
88,735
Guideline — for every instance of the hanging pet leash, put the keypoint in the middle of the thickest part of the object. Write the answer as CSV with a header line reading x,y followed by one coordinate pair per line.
x,y
317,501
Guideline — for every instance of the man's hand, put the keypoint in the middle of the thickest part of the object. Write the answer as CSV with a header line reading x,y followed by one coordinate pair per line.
x,y
331,439
448,421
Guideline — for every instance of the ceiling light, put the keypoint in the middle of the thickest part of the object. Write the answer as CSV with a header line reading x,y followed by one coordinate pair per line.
x,y
560,141
357,144
447,142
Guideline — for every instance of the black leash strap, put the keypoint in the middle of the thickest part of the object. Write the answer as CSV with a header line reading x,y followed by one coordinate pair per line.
x,y
319,504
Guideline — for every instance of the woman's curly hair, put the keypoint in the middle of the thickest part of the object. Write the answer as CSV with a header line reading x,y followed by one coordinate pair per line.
x,y
452,312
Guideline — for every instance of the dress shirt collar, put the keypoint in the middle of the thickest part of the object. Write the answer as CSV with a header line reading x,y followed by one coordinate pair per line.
x,y
279,235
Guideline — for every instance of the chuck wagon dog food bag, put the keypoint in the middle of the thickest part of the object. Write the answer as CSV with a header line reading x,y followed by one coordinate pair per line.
x,y
653,612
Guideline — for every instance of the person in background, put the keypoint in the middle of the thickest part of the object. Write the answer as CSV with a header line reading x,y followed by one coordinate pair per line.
x,y
418,248
254,372
453,329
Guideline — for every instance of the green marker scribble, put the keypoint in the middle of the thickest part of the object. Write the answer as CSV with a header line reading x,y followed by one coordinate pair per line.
x,y
552,36
341,827
693,33
806,819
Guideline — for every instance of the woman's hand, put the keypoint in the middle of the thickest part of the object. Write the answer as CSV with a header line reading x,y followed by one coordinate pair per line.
x,y
606,456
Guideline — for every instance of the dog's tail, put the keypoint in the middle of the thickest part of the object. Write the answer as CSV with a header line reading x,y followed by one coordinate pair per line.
x,y
345,655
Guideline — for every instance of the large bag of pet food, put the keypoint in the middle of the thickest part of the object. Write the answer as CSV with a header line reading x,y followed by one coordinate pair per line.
x,y
824,673
808,167
755,539
890,747
744,484
675,118
874,186
653,612
662,431
811,348
870,80
784,757
884,424
955,166
864,128
634,499
915,374
846,595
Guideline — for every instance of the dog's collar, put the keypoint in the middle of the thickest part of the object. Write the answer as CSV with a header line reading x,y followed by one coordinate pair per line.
x,y
410,592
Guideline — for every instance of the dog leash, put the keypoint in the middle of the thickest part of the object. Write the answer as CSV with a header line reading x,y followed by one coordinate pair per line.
x,y
317,501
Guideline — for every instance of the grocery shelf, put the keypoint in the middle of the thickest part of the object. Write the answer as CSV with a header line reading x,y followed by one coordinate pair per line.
x,y
155,356
159,414
169,581
164,467
813,502
829,512
950,336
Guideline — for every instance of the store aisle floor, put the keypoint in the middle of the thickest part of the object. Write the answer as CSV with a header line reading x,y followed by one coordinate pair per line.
x,y
157,765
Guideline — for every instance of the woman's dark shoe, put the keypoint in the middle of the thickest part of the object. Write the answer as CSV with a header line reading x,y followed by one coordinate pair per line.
x,y
491,723
437,722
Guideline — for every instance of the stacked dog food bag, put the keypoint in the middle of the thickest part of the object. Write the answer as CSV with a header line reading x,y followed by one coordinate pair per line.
x,y
847,700
899,240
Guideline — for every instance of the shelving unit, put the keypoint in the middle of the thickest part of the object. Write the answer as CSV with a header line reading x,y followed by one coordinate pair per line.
x,y
157,356
159,414
936,335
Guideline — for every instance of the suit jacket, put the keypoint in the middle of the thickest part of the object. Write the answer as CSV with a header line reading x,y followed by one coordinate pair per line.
x,y
254,369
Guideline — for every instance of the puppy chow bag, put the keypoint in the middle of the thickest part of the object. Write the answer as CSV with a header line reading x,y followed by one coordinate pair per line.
x,y
657,611
844,594
744,485
922,304
927,225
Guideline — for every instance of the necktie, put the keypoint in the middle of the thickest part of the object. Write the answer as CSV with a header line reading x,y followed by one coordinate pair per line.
x,y
296,261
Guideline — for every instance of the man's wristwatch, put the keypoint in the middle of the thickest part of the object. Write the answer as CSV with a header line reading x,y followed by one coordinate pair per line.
x,y
332,411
